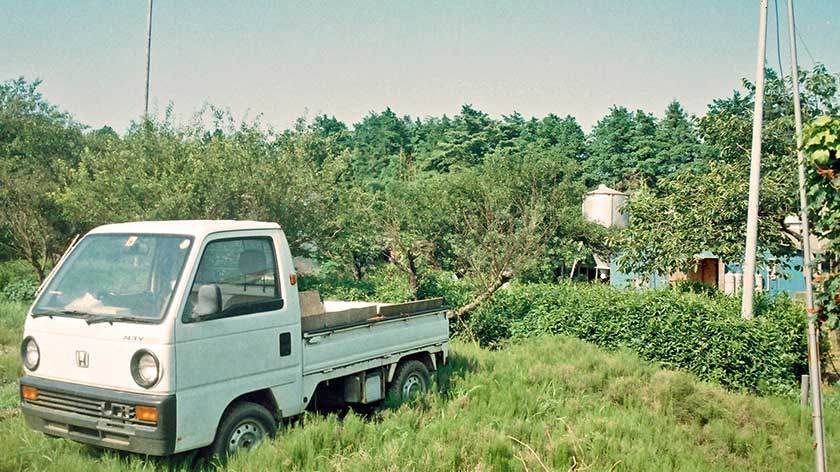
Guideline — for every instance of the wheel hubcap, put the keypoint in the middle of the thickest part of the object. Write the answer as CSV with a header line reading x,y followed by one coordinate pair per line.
x,y
246,434
413,386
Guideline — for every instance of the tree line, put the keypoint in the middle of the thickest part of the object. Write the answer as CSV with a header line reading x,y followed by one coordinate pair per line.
x,y
481,198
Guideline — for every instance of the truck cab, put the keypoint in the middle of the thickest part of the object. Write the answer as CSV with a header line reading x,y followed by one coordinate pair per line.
x,y
163,337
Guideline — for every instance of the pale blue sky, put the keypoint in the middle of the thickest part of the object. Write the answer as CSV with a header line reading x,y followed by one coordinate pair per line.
x,y
346,58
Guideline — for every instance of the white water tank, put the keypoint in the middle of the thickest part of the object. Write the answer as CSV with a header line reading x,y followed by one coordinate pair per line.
x,y
603,205
729,283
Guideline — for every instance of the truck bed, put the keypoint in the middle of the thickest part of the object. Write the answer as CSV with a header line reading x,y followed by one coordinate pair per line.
x,y
350,339
332,314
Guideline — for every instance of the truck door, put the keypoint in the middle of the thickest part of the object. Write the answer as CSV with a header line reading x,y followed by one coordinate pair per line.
x,y
236,333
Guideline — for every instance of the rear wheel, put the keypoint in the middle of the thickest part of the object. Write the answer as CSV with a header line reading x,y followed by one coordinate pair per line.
x,y
410,381
242,427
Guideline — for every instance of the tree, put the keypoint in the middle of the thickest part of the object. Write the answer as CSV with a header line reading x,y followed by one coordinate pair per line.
x,y
379,140
38,142
471,136
695,212
564,134
611,150
677,144
160,171
821,145
506,213
413,218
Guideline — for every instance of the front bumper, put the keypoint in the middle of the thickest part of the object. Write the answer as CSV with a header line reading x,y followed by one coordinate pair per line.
x,y
99,416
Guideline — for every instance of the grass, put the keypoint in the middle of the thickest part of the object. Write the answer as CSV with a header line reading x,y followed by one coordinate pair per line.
x,y
544,403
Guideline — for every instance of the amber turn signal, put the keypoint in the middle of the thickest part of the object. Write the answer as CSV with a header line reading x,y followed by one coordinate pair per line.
x,y
146,413
293,279
29,393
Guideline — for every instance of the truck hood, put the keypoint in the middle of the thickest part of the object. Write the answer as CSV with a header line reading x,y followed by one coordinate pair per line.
x,y
106,347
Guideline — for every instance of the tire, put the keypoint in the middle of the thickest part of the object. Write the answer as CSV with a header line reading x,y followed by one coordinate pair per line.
x,y
241,427
410,381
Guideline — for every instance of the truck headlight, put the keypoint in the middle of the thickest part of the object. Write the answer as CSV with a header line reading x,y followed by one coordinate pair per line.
x,y
30,354
145,368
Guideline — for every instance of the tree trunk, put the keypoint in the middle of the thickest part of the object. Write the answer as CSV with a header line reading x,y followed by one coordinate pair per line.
x,y
412,277
358,265
39,270
496,285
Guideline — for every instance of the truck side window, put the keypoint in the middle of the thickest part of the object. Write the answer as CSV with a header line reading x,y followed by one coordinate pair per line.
x,y
245,272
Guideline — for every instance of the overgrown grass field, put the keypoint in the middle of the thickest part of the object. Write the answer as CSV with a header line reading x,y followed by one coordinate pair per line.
x,y
546,403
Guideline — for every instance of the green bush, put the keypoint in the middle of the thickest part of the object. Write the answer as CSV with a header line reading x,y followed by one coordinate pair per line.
x,y
20,290
14,270
384,284
387,284
695,286
703,335
440,284
17,280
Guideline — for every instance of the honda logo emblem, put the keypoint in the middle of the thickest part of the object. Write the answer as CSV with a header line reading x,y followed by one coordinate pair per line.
x,y
82,358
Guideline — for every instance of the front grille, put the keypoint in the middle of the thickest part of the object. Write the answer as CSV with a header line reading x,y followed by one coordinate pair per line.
x,y
90,407
71,403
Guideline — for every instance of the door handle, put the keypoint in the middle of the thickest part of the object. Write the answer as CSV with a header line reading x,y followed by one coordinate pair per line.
x,y
285,344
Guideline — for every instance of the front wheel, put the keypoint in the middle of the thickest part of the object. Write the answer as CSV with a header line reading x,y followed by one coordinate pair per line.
x,y
242,427
410,381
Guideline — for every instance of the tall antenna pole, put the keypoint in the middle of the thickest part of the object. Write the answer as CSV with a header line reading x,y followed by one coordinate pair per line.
x,y
148,56
755,171
813,350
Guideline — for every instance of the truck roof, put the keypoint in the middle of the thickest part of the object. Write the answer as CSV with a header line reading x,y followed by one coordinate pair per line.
x,y
196,228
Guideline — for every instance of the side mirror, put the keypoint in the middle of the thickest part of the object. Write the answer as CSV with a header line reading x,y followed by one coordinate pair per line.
x,y
209,301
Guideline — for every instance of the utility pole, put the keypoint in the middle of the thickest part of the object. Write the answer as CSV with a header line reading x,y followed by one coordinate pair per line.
x,y
148,56
755,171
813,349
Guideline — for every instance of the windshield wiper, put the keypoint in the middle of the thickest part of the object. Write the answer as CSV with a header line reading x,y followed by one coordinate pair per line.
x,y
67,313
91,319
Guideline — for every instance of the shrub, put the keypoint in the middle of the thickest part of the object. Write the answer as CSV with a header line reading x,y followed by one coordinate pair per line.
x,y
17,280
387,284
14,270
20,290
701,334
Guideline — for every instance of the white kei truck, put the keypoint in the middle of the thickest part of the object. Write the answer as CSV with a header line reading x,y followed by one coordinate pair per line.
x,y
168,336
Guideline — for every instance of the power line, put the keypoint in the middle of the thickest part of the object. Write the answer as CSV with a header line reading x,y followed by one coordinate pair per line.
x,y
805,45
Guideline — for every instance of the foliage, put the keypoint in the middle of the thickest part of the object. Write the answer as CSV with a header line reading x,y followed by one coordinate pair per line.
x,y
705,336
20,290
821,143
160,171
38,142
703,207
381,284
628,150
14,271
696,286
507,211
696,212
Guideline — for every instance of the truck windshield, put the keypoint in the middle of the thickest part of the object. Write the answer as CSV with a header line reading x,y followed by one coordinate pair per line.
x,y
124,277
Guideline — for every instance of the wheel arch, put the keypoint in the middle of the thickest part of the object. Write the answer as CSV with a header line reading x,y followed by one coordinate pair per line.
x,y
425,357
263,397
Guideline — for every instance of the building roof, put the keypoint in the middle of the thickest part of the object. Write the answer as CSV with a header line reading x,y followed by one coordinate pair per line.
x,y
196,228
